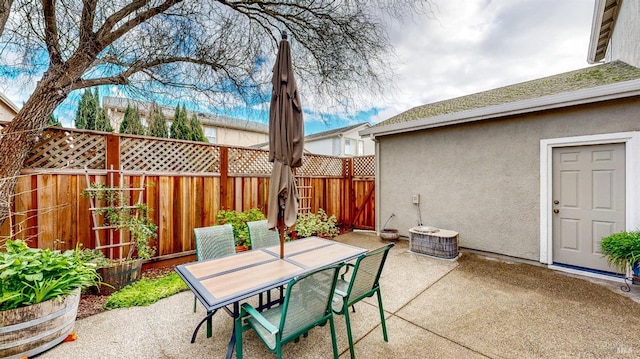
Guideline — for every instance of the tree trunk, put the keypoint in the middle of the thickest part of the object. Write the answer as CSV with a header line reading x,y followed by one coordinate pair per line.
x,y
5,8
19,136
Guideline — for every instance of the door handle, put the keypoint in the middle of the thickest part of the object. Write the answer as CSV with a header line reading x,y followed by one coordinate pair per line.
x,y
556,202
556,210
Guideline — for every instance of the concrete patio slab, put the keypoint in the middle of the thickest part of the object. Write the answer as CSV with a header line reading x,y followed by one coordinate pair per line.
x,y
470,308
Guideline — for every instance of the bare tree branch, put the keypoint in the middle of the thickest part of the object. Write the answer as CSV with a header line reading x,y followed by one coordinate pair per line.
x,y
51,31
221,50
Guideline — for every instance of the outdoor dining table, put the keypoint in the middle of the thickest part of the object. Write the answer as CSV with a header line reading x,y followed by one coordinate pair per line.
x,y
225,281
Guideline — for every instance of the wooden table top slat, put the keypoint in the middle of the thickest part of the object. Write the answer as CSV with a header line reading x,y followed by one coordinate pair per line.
x,y
321,256
301,245
221,265
250,278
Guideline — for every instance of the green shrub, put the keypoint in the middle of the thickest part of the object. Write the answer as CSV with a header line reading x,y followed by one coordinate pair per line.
x,y
146,291
30,275
622,249
238,221
320,224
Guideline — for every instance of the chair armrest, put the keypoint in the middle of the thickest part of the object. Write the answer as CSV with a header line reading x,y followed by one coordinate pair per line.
x,y
340,293
247,308
347,266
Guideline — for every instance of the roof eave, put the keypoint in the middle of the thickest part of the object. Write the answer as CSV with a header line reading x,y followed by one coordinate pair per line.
x,y
604,18
9,103
565,99
335,134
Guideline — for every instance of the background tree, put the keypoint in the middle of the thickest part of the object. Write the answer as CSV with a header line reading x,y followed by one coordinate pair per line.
x,y
157,122
87,111
195,127
131,122
180,129
217,48
102,121
53,121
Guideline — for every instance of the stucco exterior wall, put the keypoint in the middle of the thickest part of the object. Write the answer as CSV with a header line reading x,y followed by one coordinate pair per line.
x,y
368,144
625,42
483,179
233,137
320,147
324,146
6,112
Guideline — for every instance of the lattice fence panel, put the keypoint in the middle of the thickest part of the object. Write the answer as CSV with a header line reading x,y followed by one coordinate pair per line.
x,y
364,166
314,165
157,155
57,148
245,161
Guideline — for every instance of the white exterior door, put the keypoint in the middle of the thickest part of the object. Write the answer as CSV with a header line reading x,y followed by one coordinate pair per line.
x,y
588,202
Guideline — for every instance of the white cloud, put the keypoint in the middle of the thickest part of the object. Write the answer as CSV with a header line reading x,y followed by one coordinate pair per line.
x,y
477,45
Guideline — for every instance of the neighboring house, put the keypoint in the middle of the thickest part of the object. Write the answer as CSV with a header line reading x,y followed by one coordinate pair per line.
x,y
540,170
615,32
344,142
219,130
8,110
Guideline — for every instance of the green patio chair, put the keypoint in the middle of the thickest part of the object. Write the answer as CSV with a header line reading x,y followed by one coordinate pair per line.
x,y
363,283
307,304
212,242
261,236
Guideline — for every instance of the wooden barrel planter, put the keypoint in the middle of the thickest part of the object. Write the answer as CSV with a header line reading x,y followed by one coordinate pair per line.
x,y
118,276
31,330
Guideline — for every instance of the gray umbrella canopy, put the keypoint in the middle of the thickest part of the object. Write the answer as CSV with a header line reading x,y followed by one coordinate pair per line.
x,y
286,141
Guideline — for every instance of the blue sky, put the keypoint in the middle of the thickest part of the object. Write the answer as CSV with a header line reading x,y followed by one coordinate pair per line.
x,y
471,46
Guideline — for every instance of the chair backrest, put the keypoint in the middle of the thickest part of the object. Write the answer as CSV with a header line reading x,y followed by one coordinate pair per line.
x,y
261,236
366,273
214,242
307,301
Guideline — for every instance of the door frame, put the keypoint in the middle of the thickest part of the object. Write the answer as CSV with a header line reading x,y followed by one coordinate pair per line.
x,y
632,170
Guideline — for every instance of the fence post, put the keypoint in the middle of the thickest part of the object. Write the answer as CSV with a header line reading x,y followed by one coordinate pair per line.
x,y
113,180
113,159
224,174
347,173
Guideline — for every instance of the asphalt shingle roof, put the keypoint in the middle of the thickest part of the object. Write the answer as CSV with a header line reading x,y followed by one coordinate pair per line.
x,y
335,131
604,74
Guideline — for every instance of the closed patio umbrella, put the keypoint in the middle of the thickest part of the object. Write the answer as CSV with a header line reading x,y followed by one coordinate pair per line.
x,y
286,142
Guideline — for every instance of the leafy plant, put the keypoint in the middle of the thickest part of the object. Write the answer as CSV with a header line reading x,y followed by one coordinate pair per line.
x,y
320,224
146,291
238,221
622,249
94,256
117,212
30,275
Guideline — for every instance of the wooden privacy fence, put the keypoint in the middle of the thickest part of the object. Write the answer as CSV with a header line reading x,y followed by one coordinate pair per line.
x,y
187,184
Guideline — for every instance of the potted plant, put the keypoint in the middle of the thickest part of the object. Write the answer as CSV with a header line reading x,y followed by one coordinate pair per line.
x,y
39,296
238,221
320,224
622,250
117,214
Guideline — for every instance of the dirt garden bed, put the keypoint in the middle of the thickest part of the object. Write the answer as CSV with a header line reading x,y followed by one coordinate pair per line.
x,y
93,304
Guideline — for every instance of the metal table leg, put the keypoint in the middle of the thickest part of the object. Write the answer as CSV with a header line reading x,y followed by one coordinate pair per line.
x,y
232,340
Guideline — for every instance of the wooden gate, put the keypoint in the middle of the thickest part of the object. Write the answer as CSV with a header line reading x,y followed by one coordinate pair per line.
x,y
360,174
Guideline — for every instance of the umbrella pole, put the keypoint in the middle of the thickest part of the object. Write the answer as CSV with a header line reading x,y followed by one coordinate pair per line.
x,y
281,231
